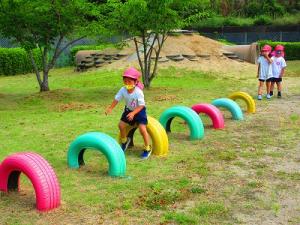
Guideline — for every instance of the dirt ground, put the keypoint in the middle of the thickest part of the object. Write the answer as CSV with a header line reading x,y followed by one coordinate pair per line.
x,y
273,179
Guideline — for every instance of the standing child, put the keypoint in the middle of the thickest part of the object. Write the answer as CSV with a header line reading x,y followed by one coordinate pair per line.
x,y
134,111
278,67
264,72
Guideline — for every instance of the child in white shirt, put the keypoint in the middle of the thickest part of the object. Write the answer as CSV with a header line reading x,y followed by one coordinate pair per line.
x,y
278,67
134,111
264,72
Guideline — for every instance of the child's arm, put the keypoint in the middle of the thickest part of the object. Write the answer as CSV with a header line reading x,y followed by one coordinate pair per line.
x,y
134,112
258,71
268,58
110,108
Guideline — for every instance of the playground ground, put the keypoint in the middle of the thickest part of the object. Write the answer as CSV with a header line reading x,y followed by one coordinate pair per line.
x,y
248,173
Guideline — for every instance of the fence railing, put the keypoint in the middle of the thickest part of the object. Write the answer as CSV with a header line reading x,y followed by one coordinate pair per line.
x,y
250,37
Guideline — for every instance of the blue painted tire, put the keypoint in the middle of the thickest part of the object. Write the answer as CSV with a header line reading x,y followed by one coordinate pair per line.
x,y
230,105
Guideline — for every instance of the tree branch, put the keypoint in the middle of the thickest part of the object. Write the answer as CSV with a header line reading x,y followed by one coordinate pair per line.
x,y
37,72
160,44
58,51
138,54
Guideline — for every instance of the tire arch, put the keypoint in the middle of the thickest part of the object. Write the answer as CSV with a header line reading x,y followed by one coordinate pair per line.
x,y
38,171
212,111
157,134
251,108
188,115
230,105
102,143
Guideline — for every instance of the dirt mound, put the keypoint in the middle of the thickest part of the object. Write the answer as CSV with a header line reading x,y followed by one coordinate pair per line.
x,y
193,52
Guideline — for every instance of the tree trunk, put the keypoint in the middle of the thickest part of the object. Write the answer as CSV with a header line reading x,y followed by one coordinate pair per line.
x,y
44,86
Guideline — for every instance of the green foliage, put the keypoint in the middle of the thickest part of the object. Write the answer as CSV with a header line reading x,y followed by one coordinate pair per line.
x,y
292,49
16,61
45,24
151,20
213,13
287,20
192,11
262,20
219,21
154,15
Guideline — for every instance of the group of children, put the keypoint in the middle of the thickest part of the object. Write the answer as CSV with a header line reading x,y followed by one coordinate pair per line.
x,y
271,66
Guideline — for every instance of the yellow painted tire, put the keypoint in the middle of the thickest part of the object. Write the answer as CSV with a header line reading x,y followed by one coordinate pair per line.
x,y
157,134
247,98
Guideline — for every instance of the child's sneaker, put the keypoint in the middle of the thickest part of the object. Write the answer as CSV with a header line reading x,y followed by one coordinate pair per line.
x,y
146,153
259,97
125,145
271,93
279,95
268,96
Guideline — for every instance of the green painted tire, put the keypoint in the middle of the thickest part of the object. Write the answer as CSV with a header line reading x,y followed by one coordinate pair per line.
x,y
230,105
188,115
100,142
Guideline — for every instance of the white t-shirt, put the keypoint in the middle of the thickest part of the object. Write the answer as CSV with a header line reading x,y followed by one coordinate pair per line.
x,y
277,65
265,71
132,100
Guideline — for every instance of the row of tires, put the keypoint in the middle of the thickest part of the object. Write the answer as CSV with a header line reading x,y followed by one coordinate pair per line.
x,y
43,177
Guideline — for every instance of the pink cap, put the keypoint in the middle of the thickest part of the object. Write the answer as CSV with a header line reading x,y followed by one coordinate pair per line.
x,y
279,48
132,73
267,48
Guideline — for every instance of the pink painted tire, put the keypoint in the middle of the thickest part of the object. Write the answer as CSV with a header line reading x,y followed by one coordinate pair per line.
x,y
213,112
38,171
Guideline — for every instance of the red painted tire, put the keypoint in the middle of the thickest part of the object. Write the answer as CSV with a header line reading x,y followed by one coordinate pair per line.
x,y
38,171
213,112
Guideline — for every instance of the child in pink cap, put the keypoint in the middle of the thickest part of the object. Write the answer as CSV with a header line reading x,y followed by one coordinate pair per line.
x,y
278,67
264,72
134,111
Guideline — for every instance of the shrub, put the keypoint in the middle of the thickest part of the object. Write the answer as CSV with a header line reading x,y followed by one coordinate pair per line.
x,y
17,61
262,20
292,49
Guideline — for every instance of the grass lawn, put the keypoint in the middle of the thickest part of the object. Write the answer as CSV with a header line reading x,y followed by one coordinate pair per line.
x,y
238,175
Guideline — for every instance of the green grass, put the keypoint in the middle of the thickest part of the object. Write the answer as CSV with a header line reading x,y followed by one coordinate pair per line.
x,y
189,186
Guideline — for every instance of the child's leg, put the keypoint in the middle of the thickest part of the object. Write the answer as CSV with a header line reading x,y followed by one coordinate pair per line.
x,y
272,87
260,87
279,89
268,86
144,133
279,86
122,128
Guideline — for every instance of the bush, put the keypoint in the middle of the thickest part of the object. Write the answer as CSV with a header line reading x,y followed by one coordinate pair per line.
x,y
17,61
262,20
292,49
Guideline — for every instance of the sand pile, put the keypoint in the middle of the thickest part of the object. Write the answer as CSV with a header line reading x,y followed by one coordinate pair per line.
x,y
191,51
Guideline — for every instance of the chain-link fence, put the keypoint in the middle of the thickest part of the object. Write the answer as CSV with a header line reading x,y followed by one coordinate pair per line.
x,y
250,37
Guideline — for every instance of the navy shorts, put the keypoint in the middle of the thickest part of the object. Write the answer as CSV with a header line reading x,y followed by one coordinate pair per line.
x,y
139,118
268,80
277,80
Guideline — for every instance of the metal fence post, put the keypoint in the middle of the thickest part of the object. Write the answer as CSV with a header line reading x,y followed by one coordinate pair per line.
x,y
245,37
280,36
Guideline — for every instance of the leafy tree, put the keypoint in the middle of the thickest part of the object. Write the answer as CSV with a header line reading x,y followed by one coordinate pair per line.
x,y
46,25
149,22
